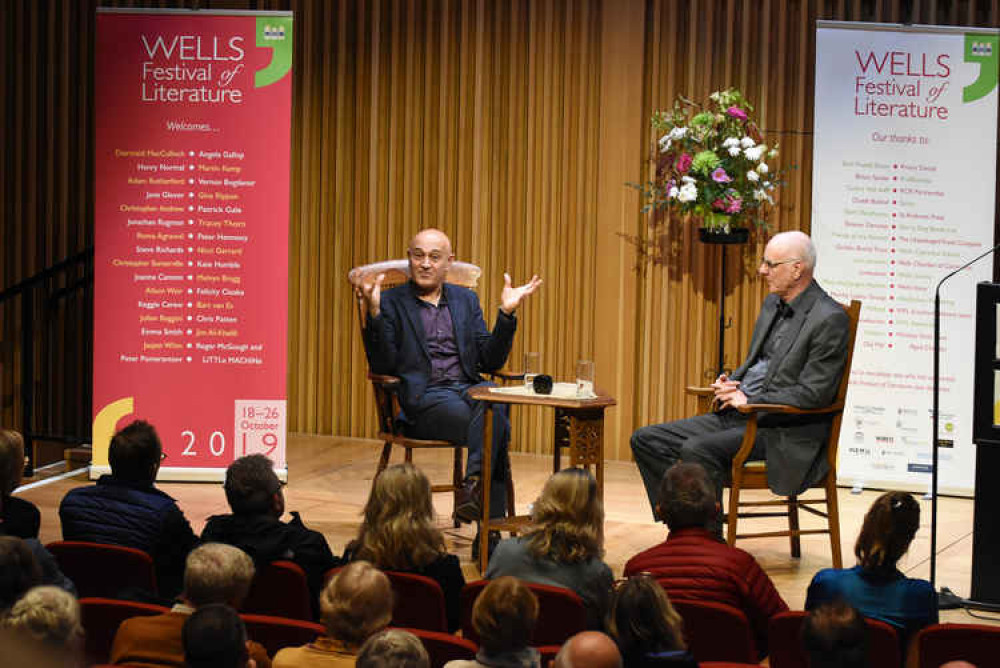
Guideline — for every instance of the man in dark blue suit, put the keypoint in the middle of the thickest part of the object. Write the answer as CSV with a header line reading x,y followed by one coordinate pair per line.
x,y
432,335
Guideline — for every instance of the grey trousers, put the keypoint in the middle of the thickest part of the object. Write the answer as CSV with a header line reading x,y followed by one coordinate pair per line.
x,y
712,440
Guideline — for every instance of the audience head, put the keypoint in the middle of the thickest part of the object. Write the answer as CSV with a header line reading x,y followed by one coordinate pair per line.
x,y
135,453
568,518
356,602
430,258
393,649
835,636
214,637
252,487
398,531
687,497
504,615
642,620
11,461
788,264
48,615
217,573
589,649
19,570
888,529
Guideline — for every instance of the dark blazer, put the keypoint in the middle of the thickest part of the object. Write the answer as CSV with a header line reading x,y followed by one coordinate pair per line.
x,y
396,344
804,373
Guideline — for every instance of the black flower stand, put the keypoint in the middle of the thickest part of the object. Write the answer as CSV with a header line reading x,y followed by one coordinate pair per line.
x,y
736,235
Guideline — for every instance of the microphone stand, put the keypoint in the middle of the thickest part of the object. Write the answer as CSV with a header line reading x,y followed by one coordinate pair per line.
x,y
946,598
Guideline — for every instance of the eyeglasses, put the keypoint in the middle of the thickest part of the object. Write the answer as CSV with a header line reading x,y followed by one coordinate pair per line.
x,y
771,264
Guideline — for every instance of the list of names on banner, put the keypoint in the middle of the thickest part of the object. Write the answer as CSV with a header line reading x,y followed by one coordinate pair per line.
x,y
188,222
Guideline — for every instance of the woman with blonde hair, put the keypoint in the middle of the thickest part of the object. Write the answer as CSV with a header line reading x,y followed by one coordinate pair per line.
x,y
49,616
875,586
398,534
504,616
354,605
17,517
564,545
646,627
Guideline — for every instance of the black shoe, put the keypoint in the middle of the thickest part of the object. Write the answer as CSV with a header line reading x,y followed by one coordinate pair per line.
x,y
494,541
468,504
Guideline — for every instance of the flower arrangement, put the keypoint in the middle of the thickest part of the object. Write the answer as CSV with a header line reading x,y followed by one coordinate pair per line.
x,y
710,163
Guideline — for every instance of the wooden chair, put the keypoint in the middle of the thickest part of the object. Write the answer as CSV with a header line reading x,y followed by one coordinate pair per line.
x,y
560,613
753,474
90,565
397,272
276,633
279,589
706,623
940,643
444,647
101,617
784,637
419,602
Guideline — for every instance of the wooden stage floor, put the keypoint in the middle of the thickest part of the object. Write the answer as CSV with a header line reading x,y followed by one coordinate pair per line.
x,y
329,478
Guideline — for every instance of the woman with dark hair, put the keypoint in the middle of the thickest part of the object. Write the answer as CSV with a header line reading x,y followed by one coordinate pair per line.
x,y
564,545
398,534
648,630
875,586
504,616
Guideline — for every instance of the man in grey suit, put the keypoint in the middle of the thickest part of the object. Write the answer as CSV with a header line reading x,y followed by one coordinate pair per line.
x,y
797,355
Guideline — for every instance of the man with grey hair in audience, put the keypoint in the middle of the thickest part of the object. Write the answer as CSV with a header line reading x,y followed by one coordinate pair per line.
x,y
213,573
589,649
394,648
797,355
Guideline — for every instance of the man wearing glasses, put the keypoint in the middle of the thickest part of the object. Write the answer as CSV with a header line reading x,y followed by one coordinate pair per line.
x,y
797,354
433,336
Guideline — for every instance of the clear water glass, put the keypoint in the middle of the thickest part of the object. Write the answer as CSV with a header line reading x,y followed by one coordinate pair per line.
x,y
584,379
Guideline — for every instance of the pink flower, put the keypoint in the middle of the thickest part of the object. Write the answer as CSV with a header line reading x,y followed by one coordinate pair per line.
x,y
719,205
737,113
683,163
720,176
735,204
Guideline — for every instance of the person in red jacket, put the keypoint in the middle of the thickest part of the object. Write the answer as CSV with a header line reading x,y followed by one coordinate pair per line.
x,y
693,565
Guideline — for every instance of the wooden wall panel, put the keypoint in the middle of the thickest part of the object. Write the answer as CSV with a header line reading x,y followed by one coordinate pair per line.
x,y
512,125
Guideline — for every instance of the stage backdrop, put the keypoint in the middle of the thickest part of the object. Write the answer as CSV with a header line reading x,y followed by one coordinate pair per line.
x,y
193,115
903,193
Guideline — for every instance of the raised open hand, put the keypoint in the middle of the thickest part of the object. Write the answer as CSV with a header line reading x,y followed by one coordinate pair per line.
x,y
511,297
371,294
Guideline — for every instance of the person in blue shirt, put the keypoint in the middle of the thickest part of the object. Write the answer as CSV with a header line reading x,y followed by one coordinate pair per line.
x,y
875,586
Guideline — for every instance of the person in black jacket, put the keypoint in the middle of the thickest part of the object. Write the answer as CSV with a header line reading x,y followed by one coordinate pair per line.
x,y
433,336
18,517
256,499
125,509
398,534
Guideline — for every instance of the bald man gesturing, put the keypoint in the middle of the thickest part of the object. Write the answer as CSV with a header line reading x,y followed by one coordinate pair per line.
x,y
797,355
433,336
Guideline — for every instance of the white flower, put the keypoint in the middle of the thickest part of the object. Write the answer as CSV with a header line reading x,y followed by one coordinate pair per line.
x,y
761,196
688,193
664,143
730,141
678,133
687,179
746,142
773,153
752,176
762,168
672,193
754,152
768,185
734,151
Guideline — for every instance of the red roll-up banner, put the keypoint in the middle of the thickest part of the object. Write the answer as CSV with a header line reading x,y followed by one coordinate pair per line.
x,y
193,118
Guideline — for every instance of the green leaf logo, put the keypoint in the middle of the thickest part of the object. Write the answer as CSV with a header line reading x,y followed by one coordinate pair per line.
x,y
275,33
985,50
